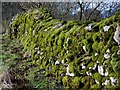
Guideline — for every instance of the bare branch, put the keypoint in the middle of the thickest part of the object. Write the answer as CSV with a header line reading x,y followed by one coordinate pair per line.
x,y
94,10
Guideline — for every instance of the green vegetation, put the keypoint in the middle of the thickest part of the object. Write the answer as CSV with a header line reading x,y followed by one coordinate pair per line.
x,y
47,41
24,74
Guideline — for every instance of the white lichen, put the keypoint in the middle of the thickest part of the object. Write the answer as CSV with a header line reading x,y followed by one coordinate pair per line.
x,y
108,50
71,74
54,27
62,61
67,70
84,48
41,53
26,32
59,25
81,73
118,52
57,62
37,48
89,27
113,81
101,70
98,62
33,32
83,66
67,51
38,52
61,74
96,81
96,54
45,30
68,73
67,40
106,82
94,66
90,67
106,73
36,17
106,28
106,56
89,74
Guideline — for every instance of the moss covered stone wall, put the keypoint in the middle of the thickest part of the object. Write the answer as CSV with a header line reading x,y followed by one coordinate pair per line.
x,y
77,54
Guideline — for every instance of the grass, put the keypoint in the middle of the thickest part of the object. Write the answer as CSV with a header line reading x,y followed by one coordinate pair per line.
x,y
0,36
23,68
0,46
0,39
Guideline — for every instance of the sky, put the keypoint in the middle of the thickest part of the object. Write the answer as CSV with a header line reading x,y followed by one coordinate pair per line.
x,y
59,0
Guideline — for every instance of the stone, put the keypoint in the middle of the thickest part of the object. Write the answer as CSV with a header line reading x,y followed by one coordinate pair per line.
x,y
57,62
96,54
89,27
117,35
106,82
108,51
113,80
106,28
106,56
83,66
118,52
101,70
84,48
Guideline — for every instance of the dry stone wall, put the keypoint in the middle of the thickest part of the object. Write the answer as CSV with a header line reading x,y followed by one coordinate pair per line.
x,y
78,54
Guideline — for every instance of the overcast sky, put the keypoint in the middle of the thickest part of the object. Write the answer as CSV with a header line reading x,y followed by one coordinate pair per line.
x,y
58,0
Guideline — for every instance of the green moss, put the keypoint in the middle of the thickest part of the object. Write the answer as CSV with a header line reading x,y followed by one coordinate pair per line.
x,y
65,81
72,68
95,86
115,63
100,58
105,48
94,58
88,35
85,42
95,46
114,49
97,76
96,27
75,82
96,37
100,46
91,64
117,16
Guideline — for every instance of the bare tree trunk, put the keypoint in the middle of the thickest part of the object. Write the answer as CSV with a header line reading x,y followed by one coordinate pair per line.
x,y
93,10
81,9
